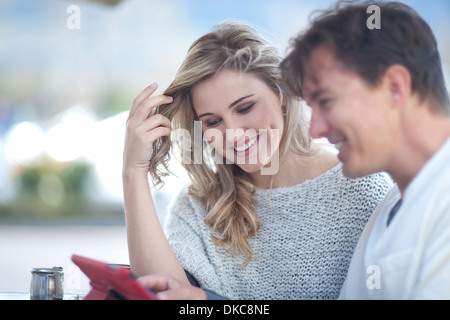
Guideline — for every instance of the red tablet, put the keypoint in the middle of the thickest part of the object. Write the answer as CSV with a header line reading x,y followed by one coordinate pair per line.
x,y
111,281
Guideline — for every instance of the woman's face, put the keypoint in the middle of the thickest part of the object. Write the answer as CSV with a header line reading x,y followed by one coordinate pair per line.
x,y
241,118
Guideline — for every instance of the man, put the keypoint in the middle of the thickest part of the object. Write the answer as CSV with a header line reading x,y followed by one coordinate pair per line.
x,y
378,94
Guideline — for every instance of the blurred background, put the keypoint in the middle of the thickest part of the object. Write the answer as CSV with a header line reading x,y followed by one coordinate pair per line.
x,y
69,71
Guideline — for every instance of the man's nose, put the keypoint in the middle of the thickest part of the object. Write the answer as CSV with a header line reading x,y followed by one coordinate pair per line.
x,y
319,127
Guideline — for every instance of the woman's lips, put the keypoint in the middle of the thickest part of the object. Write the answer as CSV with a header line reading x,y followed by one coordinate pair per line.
x,y
245,148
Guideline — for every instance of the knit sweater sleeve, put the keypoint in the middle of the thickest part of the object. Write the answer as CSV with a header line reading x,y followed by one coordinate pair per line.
x,y
184,227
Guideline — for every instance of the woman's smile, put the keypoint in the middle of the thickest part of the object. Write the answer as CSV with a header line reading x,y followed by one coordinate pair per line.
x,y
247,147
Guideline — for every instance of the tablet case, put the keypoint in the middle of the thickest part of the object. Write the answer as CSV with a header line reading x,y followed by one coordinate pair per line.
x,y
111,281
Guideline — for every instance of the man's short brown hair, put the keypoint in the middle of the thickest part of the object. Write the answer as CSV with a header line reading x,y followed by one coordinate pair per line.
x,y
404,38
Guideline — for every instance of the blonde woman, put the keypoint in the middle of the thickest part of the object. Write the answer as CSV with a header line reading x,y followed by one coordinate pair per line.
x,y
268,214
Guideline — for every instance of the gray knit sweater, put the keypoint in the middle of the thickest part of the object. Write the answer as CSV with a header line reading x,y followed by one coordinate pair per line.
x,y
303,248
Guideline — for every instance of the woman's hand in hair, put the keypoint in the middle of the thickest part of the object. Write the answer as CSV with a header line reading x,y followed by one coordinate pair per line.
x,y
144,128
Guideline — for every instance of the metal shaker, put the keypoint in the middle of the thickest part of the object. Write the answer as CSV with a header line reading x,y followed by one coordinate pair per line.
x,y
47,283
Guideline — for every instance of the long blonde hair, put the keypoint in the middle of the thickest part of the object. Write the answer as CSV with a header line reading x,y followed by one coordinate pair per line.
x,y
225,190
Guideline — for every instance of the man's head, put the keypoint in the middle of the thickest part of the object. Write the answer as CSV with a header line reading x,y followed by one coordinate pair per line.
x,y
355,78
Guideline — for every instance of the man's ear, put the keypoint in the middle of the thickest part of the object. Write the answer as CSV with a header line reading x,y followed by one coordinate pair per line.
x,y
399,83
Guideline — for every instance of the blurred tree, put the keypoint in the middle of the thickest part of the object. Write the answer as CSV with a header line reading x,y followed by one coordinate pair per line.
x,y
51,189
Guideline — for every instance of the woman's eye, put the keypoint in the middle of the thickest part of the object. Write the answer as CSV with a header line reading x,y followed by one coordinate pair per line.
x,y
243,110
246,109
213,123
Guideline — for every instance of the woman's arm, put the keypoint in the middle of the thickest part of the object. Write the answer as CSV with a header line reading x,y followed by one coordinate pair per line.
x,y
148,248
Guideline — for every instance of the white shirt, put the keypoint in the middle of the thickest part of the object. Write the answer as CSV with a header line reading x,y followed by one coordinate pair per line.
x,y
410,258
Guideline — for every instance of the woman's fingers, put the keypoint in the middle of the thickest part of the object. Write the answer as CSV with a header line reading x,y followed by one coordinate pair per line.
x,y
151,129
155,122
168,288
147,92
154,134
155,282
144,111
143,104
143,128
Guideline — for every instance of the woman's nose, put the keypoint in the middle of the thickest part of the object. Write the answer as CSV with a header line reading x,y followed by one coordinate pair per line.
x,y
235,129
233,135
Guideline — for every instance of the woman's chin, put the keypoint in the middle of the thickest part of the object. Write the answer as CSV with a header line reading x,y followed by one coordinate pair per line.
x,y
250,168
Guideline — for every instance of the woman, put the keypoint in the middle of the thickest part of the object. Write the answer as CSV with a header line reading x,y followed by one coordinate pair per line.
x,y
268,214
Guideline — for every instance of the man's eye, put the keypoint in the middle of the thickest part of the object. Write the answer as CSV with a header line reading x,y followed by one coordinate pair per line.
x,y
324,103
